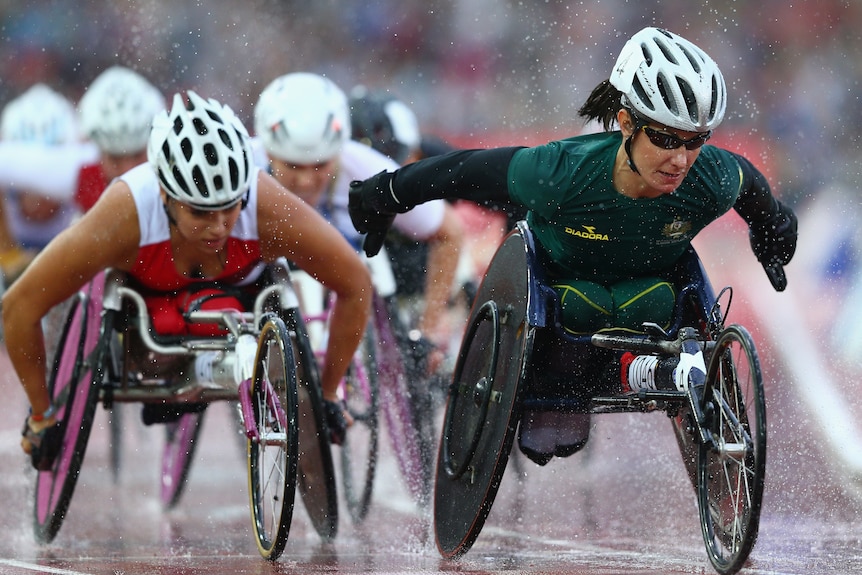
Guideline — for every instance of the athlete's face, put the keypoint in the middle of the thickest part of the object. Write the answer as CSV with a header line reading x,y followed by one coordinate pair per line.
x,y
115,165
204,230
662,170
306,181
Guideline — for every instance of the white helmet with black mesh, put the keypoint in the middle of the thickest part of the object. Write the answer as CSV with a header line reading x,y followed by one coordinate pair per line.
x,y
201,153
302,118
117,111
40,115
667,79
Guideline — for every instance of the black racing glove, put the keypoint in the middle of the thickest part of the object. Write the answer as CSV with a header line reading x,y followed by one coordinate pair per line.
x,y
373,207
335,421
773,241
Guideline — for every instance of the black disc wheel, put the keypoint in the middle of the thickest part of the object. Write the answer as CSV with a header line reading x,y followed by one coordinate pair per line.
x,y
472,392
316,480
483,407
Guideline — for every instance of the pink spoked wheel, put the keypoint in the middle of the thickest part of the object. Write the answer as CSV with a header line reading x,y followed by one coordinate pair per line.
x,y
180,444
74,388
404,410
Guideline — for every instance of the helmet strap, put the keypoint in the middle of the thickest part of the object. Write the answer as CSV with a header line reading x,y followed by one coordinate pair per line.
x,y
170,216
628,146
637,122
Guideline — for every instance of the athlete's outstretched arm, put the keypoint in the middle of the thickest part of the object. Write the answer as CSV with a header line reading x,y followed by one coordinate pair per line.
x,y
477,175
772,225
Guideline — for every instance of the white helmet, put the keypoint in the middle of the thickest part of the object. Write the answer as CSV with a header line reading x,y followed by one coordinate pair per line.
x,y
669,80
39,115
302,118
117,111
201,153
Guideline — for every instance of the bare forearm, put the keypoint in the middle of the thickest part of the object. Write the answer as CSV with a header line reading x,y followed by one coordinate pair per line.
x,y
26,348
347,324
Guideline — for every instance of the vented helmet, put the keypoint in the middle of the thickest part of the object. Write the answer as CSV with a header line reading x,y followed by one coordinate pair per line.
x,y
201,153
117,111
385,123
302,118
669,80
40,115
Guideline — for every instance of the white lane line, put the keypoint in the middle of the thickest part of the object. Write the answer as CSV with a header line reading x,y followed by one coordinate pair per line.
x,y
811,377
610,556
38,568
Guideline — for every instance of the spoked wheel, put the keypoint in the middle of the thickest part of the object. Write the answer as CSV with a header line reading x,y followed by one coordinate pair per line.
x,y
731,470
316,472
273,448
180,443
483,408
74,388
359,451
398,407
424,412
687,443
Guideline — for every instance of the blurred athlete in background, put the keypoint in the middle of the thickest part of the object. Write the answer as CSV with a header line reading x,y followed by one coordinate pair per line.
x,y
303,123
40,119
114,118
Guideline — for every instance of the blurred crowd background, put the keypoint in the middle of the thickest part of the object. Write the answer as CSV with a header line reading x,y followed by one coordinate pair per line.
x,y
478,72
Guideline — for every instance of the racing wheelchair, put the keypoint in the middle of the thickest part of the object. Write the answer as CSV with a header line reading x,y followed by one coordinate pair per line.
x,y
109,353
718,413
378,391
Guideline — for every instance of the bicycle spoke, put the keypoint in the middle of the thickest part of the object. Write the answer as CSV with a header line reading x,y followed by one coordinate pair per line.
x,y
733,466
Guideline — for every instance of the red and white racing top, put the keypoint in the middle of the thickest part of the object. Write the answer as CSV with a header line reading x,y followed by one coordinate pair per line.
x,y
155,268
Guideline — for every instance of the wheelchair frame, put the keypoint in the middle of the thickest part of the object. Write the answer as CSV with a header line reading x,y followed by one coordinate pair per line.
x,y
718,418
274,379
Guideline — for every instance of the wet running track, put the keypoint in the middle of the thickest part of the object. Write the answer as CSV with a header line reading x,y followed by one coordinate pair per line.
x,y
623,505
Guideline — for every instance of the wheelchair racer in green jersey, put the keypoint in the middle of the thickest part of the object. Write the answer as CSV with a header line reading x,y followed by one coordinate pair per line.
x,y
611,213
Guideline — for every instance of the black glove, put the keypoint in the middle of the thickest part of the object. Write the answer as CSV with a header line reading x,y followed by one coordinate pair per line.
x,y
335,421
372,209
773,241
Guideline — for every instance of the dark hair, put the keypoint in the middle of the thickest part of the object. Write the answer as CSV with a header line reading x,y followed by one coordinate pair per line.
x,y
602,104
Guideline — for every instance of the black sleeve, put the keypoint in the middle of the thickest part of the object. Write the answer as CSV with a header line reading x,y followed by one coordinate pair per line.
x,y
755,202
476,175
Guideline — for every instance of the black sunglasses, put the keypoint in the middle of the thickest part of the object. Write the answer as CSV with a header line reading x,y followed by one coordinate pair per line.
x,y
672,142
